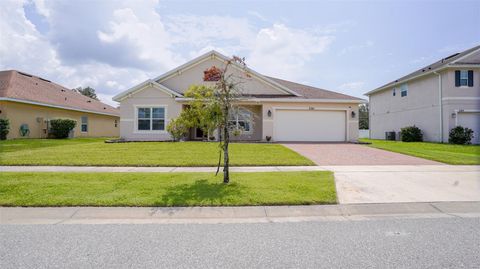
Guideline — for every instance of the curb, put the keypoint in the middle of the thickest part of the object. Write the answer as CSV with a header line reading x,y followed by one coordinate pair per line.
x,y
248,214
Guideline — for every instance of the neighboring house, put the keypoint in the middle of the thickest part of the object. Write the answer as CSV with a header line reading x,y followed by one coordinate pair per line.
x,y
280,109
435,98
29,102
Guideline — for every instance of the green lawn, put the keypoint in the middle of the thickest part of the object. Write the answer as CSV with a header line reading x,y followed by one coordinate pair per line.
x,y
165,189
88,151
445,153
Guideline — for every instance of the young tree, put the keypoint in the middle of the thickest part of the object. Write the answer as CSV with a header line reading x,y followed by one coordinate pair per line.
x,y
88,91
227,92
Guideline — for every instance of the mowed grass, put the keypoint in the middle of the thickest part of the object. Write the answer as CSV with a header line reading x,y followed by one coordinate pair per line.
x,y
445,153
95,152
165,189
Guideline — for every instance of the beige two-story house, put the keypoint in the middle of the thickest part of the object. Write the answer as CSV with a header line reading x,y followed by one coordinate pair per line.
x,y
274,109
436,99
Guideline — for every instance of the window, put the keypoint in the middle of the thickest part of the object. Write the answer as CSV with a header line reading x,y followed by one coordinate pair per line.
x,y
394,91
116,124
241,119
84,126
463,78
404,90
151,118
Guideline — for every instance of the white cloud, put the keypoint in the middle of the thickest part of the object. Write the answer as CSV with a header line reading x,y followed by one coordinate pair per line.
x,y
120,44
356,88
284,52
353,48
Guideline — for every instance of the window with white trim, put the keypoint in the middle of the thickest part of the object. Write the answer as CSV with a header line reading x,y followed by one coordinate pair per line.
x,y
241,119
403,90
84,125
463,77
150,118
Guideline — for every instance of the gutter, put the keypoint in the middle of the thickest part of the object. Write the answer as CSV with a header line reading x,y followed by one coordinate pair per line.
x,y
281,100
440,102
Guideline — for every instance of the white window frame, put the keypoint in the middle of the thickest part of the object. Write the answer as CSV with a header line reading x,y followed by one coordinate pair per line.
x,y
465,72
84,124
136,130
250,123
404,89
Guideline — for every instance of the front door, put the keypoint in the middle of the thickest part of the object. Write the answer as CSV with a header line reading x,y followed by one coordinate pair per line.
x,y
199,133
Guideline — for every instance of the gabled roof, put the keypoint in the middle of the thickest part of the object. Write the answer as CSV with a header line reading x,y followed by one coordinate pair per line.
x,y
119,97
21,87
213,54
465,58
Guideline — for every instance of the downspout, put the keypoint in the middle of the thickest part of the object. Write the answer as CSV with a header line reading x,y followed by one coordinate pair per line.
x,y
440,103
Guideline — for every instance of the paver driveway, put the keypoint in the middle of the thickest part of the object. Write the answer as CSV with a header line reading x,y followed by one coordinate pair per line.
x,y
354,154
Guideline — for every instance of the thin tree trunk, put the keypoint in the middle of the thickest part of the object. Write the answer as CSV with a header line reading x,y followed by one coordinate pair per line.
x,y
226,175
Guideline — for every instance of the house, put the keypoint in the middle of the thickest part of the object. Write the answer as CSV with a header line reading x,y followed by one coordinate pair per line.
x,y
277,110
435,98
29,102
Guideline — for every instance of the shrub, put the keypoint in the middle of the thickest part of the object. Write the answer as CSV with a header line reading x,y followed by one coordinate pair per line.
x,y
460,135
60,128
411,134
4,128
177,128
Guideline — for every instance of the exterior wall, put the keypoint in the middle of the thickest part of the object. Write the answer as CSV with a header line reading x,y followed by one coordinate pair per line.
x,y
257,126
18,114
421,106
352,123
148,97
194,76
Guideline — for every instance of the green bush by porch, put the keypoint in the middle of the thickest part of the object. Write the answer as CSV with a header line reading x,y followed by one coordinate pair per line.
x,y
94,152
165,189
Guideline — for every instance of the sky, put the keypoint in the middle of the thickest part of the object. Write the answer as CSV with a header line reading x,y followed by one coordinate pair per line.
x,y
346,46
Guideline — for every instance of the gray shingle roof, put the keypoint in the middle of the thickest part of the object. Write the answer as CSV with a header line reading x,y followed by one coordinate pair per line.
x,y
470,60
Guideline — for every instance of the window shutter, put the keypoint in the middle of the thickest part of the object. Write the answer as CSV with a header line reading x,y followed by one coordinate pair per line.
x,y
457,78
470,78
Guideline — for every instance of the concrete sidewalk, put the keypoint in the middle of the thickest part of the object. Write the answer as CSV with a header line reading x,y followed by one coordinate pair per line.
x,y
249,214
127,169
334,168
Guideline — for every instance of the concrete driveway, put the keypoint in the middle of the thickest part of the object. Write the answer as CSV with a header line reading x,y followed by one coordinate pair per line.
x,y
369,175
354,154
405,183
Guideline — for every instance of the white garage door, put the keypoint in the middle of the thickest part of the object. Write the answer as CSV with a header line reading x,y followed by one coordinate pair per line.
x,y
309,125
472,121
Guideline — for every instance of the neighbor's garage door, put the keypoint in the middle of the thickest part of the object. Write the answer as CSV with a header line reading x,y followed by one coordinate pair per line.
x,y
309,125
472,121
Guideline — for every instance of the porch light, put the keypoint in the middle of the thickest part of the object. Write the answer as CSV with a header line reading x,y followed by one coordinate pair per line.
x,y
269,113
454,115
353,114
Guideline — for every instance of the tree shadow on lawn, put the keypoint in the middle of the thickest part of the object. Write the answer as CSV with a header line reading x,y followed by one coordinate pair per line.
x,y
202,193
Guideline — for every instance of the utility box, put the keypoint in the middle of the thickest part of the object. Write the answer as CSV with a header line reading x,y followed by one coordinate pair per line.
x,y
390,136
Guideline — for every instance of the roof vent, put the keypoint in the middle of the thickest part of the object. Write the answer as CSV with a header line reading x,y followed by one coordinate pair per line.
x,y
104,108
44,79
25,74
62,90
89,101
429,68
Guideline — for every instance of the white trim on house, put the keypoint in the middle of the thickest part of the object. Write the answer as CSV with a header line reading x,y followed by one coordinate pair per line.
x,y
135,120
211,55
286,100
461,98
142,86
54,106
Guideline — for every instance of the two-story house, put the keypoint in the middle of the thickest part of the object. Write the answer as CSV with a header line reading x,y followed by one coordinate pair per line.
x,y
436,99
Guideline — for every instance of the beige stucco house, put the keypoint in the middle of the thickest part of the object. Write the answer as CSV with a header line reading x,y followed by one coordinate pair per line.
x,y
435,98
29,102
280,110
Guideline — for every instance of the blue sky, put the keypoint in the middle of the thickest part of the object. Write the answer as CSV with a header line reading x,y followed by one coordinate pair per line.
x,y
346,46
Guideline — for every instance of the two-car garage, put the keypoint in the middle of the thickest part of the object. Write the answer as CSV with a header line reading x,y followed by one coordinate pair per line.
x,y
310,125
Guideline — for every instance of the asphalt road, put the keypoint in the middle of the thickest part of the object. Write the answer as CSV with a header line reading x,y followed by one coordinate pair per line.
x,y
384,243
